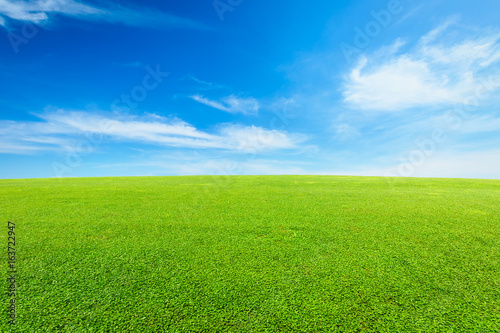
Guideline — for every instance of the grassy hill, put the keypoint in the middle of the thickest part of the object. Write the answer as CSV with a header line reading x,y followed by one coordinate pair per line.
x,y
254,254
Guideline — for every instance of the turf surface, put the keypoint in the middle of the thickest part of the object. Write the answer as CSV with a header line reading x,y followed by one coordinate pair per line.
x,y
254,254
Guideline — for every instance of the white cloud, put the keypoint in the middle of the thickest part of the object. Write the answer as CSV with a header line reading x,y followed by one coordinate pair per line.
x,y
253,139
179,164
227,167
477,164
480,125
436,32
431,74
468,165
202,84
346,132
7,147
231,104
37,11
400,84
124,127
62,128
41,12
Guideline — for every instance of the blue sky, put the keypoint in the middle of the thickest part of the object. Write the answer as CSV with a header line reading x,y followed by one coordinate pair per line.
x,y
126,88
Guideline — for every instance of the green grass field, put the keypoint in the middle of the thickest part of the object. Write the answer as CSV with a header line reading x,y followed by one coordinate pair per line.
x,y
254,254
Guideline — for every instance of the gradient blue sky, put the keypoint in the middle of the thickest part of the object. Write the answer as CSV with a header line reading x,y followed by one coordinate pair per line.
x,y
129,88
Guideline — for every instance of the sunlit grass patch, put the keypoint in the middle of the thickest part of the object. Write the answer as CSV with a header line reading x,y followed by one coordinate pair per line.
x,y
255,254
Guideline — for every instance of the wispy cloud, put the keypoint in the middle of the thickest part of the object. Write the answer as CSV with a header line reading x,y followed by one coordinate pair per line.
x,y
478,164
181,164
43,11
481,124
62,128
149,18
344,132
232,167
231,104
255,139
202,84
39,11
430,74
25,148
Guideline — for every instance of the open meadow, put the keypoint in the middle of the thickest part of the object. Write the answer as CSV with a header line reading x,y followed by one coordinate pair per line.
x,y
254,254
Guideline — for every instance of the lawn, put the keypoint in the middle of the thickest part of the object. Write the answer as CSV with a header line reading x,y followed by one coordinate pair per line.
x,y
253,254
